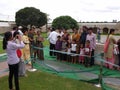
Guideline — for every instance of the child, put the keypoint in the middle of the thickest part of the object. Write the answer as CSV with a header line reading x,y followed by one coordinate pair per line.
x,y
87,53
68,52
82,51
64,49
73,50
116,55
58,47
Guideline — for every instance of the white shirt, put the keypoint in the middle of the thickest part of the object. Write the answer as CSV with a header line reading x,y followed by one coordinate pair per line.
x,y
60,34
53,37
92,39
73,47
20,32
68,50
82,51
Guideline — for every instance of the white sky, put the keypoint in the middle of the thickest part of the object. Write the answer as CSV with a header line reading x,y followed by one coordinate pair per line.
x,y
80,10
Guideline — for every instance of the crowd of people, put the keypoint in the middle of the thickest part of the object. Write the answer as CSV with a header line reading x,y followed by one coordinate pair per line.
x,y
79,47
76,47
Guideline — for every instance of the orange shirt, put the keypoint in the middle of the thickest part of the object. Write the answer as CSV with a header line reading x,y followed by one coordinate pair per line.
x,y
76,37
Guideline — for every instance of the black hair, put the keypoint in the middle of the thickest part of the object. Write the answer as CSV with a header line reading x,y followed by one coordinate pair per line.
x,y
58,36
7,36
111,30
15,33
88,41
53,29
24,29
14,28
90,28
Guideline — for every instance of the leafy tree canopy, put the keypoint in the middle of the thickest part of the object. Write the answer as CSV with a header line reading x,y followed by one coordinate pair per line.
x,y
64,22
30,16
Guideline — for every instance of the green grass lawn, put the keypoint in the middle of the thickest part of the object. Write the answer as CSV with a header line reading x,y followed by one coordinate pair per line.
x,y
43,81
1,50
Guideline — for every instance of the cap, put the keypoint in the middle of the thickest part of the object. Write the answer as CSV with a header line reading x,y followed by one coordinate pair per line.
x,y
20,27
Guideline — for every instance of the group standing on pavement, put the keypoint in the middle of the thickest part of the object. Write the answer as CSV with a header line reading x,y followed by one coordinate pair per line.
x,y
78,47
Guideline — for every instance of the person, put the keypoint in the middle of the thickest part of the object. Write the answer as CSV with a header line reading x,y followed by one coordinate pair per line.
x,y
14,29
52,39
73,50
83,35
98,35
63,49
109,53
118,43
92,38
82,52
88,51
31,35
60,32
10,46
76,37
22,70
39,43
58,47
19,30
26,49
48,31
66,37
69,52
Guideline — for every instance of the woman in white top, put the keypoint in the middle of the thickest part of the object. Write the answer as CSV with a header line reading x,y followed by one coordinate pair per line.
x,y
10,46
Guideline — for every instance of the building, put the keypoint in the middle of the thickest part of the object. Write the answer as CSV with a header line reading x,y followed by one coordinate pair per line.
x,y
6,26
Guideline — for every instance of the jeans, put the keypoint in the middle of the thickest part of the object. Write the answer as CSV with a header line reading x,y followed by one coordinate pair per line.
x,y
13,71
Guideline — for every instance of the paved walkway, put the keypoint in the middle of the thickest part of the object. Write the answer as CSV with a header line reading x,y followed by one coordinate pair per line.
x,y
3,67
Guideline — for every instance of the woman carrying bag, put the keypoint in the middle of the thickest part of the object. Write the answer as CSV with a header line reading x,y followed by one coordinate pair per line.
x,y
109,49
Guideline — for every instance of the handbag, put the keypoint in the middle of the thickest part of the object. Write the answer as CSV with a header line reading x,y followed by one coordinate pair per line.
x,y
22,70
19,53
106,45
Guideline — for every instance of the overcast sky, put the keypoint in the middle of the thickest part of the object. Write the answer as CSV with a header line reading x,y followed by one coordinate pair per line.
x,y
80,10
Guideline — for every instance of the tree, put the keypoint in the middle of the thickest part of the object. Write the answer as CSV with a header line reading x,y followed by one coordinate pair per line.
x,y
64,22
30,16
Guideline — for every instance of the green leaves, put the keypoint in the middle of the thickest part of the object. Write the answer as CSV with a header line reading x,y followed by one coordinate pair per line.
x,y
30,16
64,22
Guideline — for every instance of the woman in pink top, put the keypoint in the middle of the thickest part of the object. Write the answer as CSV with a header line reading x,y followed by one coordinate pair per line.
x,y
10,46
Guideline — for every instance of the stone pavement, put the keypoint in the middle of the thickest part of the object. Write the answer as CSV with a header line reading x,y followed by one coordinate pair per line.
x,y
3,66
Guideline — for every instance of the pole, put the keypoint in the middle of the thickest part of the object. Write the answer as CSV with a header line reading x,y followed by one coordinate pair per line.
x,y
32,58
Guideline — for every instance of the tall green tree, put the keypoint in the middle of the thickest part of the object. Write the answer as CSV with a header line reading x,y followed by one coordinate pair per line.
x,y
65,22
30,16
